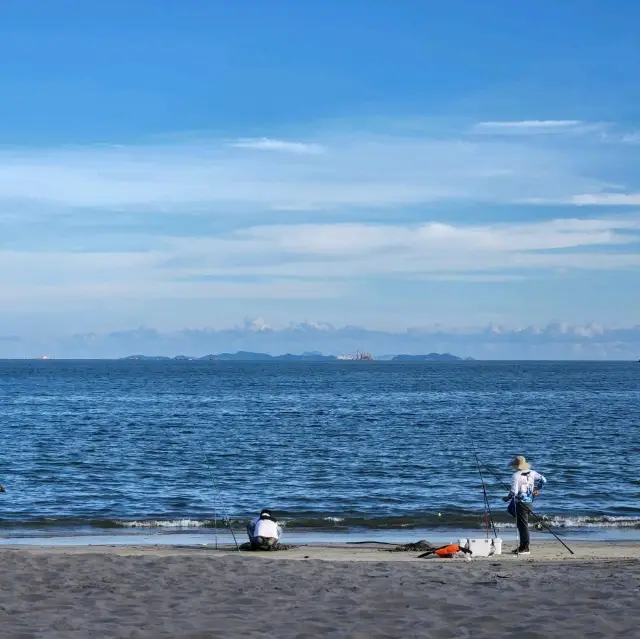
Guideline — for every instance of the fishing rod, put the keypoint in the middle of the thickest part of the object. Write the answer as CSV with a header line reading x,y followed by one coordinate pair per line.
x,y
537,517
484,492
225,515
487,506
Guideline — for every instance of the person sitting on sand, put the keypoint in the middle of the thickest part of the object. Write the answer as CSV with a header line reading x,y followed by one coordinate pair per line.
x,y
264,531
525,486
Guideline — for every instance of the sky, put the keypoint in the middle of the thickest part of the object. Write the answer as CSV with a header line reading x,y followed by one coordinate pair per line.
x,y
416,168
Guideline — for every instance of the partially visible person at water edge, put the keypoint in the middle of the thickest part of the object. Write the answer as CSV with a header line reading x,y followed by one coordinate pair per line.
x,y
525,486
2,490
264,531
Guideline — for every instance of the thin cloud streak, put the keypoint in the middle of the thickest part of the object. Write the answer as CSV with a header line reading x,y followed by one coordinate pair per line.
x,y
548,129
142,289
271,144
605,199
530,124
350,251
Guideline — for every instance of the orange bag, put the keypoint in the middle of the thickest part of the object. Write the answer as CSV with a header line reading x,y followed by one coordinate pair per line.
x,y
448,551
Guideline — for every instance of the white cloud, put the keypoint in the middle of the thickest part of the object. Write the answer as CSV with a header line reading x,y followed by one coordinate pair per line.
x,y
257,324
484,278
529,125
542,128
631,138
606,199
311,261
578,133
133,201
346,251
21,269
34,296
358,170
350,239
271,144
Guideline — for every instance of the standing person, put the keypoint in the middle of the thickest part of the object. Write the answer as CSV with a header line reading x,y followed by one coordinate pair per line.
x,y
525,486
264,531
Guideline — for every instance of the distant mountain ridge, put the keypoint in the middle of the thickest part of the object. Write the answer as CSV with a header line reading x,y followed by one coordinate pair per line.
x,y
431,357
554,341
247,356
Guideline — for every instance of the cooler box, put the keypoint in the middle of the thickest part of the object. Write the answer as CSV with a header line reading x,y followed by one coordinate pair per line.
x,y
482,547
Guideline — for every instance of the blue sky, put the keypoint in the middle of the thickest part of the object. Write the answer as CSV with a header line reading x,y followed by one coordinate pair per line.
x,y
389,165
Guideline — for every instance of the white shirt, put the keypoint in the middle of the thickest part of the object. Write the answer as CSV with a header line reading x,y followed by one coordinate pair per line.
x,y
266,528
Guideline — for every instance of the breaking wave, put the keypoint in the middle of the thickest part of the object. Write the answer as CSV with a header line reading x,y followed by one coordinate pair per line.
x,y
168,523
603,521
333,522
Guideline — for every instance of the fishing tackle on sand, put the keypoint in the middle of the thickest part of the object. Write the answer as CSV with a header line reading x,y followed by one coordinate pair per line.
x,y
487,508
225,515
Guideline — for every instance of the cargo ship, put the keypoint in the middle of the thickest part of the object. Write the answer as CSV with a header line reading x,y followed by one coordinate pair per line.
x,y
359,356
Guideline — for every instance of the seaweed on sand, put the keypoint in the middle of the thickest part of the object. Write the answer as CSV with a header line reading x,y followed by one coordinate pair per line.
x,y
247,546
418,546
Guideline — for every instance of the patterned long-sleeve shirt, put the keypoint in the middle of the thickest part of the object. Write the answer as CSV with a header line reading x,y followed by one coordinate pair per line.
x,y
523,483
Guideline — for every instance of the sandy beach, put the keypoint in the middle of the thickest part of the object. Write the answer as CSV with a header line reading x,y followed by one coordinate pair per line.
x,y
311,591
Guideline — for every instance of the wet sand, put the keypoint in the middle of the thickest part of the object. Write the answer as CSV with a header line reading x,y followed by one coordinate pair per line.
x,y
329,591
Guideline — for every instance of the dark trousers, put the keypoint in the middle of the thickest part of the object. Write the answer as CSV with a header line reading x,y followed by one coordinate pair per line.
x,y
264,543
522,521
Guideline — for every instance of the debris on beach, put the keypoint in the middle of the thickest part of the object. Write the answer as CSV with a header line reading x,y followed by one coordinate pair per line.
x,y
248,547
418,546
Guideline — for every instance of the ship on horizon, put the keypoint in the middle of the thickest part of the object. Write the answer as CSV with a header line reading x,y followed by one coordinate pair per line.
x,y
360,356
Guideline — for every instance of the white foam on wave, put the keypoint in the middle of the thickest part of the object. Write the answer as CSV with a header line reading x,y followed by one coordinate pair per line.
x,y
586,521
162,523
556,521
593,522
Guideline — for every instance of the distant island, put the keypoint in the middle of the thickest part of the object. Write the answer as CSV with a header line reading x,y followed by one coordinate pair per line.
x,y
246,356
431,357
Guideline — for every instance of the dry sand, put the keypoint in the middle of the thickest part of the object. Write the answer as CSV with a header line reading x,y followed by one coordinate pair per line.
x,y
154,591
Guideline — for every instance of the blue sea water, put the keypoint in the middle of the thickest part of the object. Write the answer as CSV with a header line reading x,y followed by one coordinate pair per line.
x,y
360,449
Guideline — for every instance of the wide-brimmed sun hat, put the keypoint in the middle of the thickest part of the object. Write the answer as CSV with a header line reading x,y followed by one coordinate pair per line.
x,y
520,463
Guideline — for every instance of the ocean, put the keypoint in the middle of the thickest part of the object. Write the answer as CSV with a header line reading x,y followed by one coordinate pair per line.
x,y
339,450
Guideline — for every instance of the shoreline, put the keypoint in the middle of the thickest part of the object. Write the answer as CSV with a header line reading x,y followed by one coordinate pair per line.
x,y
206,536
